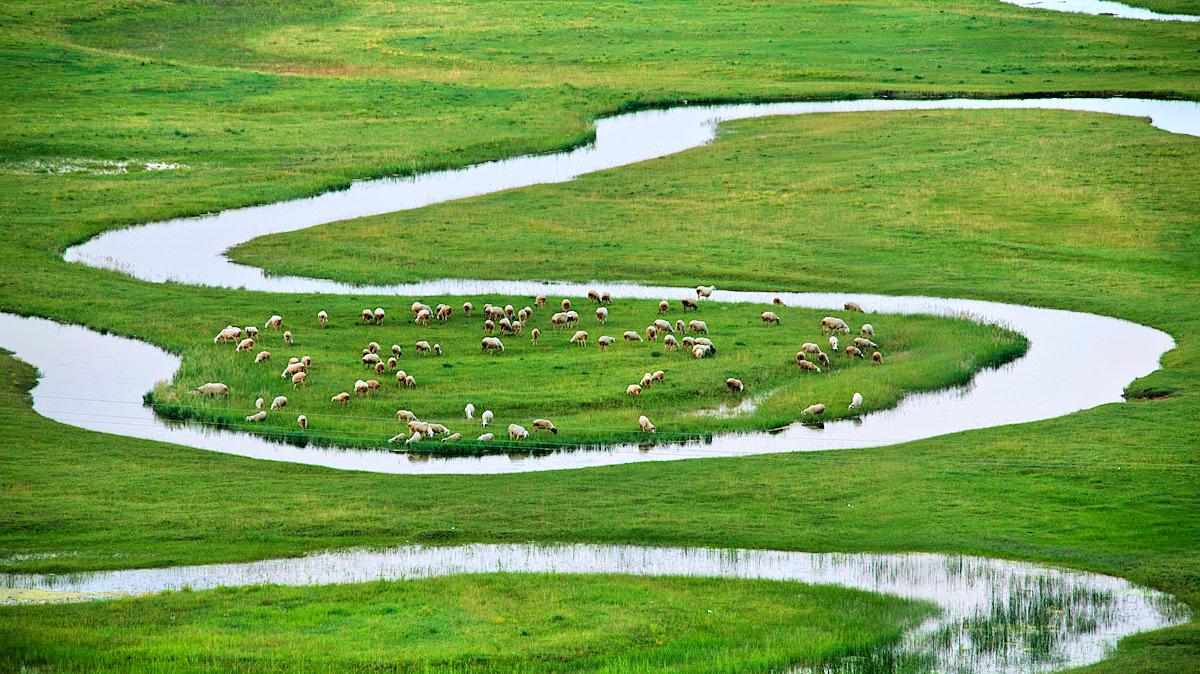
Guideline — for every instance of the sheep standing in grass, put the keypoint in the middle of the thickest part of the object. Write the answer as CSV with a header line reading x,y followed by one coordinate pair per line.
x,y
397,351
306,361
367,316
302,421
401,376
405,415
287,337
279,402
438,429
539,301
437,349
580,337
516,432
489,326
805,365
262,357
605,297
877,358
566,305
213,389
670,343
415,437
378,315
647,380
258,404
698,326
651,333
486,418
468,308
822,358
360,388
867,330
833,343
605,341
813,410
769,317
470,410
856,402
534,336
544,425
689,304
444,312
373,347
251,332
510,311
423,347
663,326
853,352
372,385
631,336
594,296
453,437
370,359
275,322
257,416
601,315
487,437
864,343
559,319
777,301
659,376
391,364
299,379
380,368
410,381
810,348
852,306
664,306
417,307
322,318
633,390
704,291
341,398
831,324
422,317
701,351
245,345
644,425
493,345
735,385
228,334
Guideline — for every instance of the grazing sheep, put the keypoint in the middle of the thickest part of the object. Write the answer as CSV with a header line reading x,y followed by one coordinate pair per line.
x,y
822,358
566,305
251,332
257,416
777,301
397,351
769,317
417,307
705,341
509,310
524,314
680,328
489,326
443,312
302,421
405,415
370,359
299,379
572,317
516,432
833,343
453,437
492,344
422,317
486,418
275,322
245,345
664,306
487,437
258,404
853,352
401,376
410,381
864,343
856,402
228,334
438,429
663,326
306,361
698,326
372,384
800,356
396,438
360,387
544,425
877,357
734,385
813,410
605,341
852,306
367,316
380,368
262,357
701,351
602,315
322,318
631,336
580,337
651,333
213,389
644,425
470,410
704,291
379,315
278,402
605,297
809,347
633,390
468,308
423,347
539,301
341,398
807,366
417,426
688,341
558,319
670,343
287,337
391,363
593,296
534,335
867,330
659,375
505,326
415,437
646,381
689,304
373,347
831,324
437,349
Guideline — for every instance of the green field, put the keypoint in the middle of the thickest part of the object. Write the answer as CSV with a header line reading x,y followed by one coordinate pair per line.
x,y
263,101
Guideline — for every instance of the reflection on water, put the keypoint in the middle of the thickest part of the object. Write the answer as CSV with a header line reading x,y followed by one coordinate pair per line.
x,y
995,615
1102,7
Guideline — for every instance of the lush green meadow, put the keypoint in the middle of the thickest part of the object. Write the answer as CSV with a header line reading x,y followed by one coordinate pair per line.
x,y
263,101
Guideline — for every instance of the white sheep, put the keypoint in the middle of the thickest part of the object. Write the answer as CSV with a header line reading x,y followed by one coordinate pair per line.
x,y
544,425
670,343
877,357
664,306
410,381
468,308
867,330
606,341
322,318
251,332
492,344
453,437
580,337
257,416
278,402
647,380
487,437
539,301
644,424
405,415
470,410
299,379
262,357
228,334
852,306
422,317
631,336
306,361
856,401
341,398
302,421
833,343
769,317
689,304
424,347
813,410
602,315
832,324
535,335
486,418
698,326
367,316
415,437
659,375
651,333
287,337
704,291
633,390
593,295
864,343
245,345
735,385
806,365
275,322
213,389
258,404
605,297
853,352
360,387
809,347
516,432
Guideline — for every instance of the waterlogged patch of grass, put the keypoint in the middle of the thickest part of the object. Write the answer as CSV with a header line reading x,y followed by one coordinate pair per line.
x,y
490,623
581,388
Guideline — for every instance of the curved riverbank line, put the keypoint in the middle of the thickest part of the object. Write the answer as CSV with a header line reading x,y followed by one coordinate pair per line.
x,y
995,615
1119,10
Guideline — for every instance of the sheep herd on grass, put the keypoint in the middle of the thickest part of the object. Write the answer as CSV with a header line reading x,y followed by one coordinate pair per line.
x,y
691,337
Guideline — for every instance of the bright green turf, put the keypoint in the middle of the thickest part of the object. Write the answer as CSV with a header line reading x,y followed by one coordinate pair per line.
x,y
493,623
581,388
1112,489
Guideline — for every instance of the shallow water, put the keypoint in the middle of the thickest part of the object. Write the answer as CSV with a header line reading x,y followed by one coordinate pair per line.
x,y
1101,7
996,615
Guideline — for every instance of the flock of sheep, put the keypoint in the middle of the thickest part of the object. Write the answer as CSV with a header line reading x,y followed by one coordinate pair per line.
x,y
691,337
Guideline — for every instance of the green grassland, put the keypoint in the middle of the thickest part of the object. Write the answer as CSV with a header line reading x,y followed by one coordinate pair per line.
x,y
581,388
492,623
266,101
